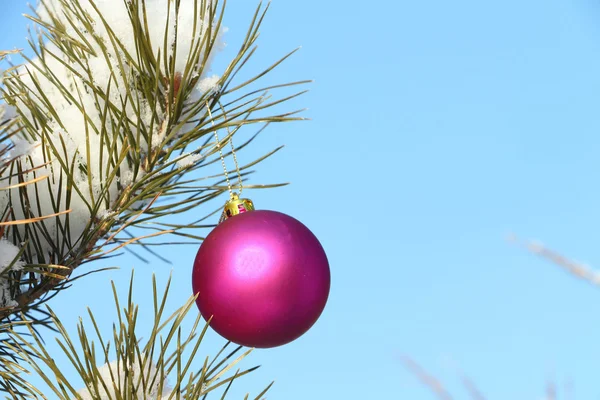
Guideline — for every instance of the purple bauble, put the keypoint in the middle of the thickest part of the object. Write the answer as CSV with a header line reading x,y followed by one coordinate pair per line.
x,y
263,277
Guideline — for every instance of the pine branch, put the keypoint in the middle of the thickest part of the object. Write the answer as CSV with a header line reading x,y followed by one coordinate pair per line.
x,y
103,136
428,380
141,367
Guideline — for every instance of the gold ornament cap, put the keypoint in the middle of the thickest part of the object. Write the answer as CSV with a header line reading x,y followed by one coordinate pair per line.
x,y
236,206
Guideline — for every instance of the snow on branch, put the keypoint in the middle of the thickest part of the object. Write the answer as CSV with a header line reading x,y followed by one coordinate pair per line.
x,y
114,378
86,97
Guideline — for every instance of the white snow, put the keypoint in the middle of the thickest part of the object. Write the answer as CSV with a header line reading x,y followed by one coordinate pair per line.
x,y
6,112
105,214
75,127
116,368
8,253
188,159
208,84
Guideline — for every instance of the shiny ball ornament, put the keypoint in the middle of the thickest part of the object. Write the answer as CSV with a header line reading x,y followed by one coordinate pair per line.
x,y
262,276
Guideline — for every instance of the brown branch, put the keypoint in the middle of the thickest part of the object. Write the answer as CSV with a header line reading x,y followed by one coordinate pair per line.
x,y
428,380
58,276
576,269
473,390
550,391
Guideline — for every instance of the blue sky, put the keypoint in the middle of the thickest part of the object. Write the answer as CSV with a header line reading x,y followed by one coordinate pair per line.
x,y
438,128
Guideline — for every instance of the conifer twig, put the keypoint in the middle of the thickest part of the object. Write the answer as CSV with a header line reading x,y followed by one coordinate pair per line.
x,y
427,379
579,270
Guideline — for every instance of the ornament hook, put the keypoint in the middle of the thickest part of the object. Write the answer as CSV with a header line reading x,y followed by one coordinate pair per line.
x,y
236,206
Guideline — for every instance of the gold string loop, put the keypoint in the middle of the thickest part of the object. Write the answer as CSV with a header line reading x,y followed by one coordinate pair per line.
x,y
232,195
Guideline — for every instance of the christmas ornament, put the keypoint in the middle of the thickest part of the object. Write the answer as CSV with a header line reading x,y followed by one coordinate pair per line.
x,y
262,277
